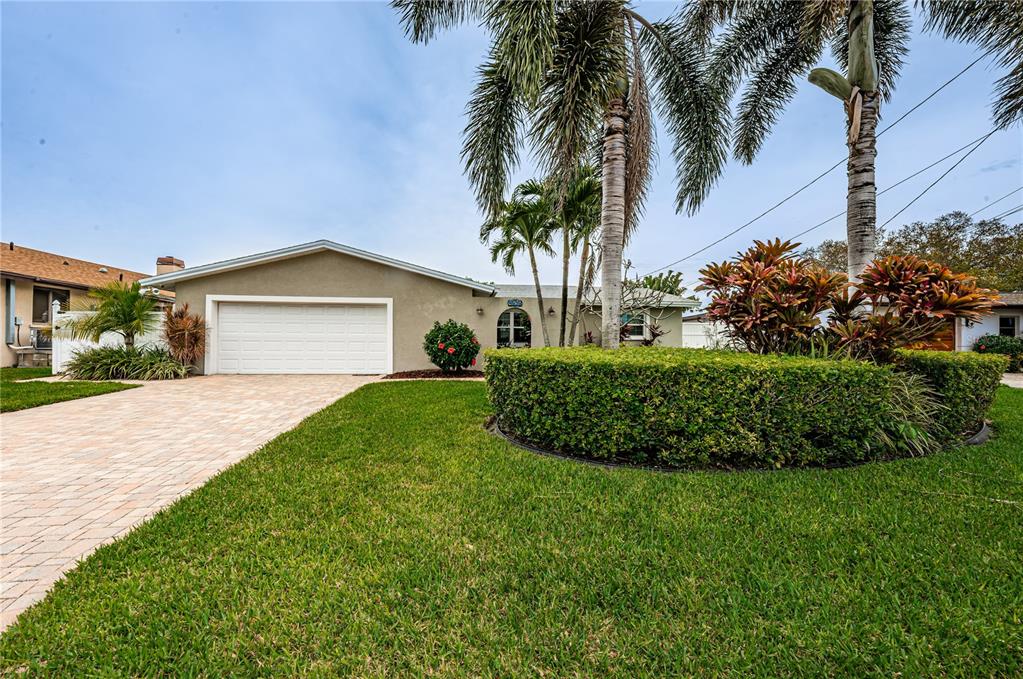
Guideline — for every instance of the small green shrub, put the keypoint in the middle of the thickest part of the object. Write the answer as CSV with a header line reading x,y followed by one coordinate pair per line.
x,y
693,407
451,346
964,383
124,363
1007,346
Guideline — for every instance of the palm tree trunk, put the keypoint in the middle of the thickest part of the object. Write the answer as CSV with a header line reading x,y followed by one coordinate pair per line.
x,y
583,263
567,243
861,211
129,340
612,223
539,298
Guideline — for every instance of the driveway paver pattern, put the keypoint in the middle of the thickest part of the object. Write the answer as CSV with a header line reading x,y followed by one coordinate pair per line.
x,y
78,474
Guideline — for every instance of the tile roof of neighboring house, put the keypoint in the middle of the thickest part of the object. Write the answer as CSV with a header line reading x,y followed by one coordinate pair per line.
x,y
47,267
1011,298
551,292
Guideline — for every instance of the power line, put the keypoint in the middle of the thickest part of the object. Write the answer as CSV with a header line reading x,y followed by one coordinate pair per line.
x,y
943,175
895,185
1011,211
822,174
995,202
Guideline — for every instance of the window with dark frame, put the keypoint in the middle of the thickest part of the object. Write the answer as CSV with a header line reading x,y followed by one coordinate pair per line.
x,y
42,301
1008,326
514,329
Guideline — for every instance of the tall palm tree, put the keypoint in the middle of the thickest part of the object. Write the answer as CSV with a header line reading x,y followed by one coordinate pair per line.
x,y
576,209
121,308
768,46
563,74
522,225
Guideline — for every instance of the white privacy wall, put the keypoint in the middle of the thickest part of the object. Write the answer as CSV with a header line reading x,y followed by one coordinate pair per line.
x,y
64,348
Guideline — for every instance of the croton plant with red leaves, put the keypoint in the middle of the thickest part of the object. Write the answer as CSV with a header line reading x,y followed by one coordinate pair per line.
x,y
772,301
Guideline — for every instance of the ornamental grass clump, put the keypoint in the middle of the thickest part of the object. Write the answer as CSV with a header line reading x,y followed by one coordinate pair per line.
x,y
451,346
125,363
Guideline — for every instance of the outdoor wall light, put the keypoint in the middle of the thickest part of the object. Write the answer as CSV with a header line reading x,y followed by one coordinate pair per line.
x,y
550,312
479,310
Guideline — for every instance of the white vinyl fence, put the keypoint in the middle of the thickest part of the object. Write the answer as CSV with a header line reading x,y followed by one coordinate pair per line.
x,y
700,334
64,347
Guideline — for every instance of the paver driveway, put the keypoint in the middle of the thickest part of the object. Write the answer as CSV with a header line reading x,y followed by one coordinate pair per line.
x,y
77,474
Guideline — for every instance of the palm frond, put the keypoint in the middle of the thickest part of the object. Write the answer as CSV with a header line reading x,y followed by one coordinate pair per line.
x,y
524,38
997,26
639,156
892,25
587,71
771,87
695,114
423,19
490,150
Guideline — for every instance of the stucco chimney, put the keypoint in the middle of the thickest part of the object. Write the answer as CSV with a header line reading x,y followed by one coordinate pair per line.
x,y
168,265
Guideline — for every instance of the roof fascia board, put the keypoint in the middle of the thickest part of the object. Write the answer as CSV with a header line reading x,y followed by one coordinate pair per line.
x,y
303,249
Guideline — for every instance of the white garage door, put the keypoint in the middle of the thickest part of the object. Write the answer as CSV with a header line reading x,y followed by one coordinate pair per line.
x,y
301,338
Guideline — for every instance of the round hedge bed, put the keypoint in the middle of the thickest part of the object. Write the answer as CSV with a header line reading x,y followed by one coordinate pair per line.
x,y
698,408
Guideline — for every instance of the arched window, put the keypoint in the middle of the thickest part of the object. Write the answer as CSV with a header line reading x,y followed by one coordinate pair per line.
x,y
513,329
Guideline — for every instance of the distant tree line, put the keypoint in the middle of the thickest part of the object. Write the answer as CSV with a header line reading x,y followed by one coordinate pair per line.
x,y
989,249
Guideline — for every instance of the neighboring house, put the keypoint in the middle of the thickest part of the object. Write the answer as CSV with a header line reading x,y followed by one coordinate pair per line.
x,y
32,280
323,307
1006,320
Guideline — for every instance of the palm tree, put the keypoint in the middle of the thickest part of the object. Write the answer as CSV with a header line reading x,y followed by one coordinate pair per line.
x,y
769,46
564,75
522,225
121,308
576,209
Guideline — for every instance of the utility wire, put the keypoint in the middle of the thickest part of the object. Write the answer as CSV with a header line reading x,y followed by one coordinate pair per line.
x,y
995,202
1011,211
896,184
822,174
943,175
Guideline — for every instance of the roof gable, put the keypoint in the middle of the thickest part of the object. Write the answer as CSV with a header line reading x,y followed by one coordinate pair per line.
x,y
305,249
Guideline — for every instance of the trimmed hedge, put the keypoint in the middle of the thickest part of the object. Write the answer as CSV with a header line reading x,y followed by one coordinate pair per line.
x,y
1000,344
694,407
964,382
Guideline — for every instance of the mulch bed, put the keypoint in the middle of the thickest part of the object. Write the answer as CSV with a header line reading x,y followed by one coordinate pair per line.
x,y
435,375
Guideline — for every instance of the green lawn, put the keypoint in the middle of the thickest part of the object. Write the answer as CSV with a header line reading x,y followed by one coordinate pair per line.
x,y
389,534
15,394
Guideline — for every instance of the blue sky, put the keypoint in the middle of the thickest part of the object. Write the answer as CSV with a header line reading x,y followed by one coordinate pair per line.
x,y
207,131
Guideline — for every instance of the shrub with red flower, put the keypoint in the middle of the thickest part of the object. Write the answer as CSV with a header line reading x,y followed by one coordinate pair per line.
x,y
451,346
771,301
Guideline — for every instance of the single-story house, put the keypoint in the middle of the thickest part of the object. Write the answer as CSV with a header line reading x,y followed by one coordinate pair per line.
x,y
32,280
324,307
1005,320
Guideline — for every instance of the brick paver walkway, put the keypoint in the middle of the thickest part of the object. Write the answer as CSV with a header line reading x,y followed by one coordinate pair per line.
x,y
77,474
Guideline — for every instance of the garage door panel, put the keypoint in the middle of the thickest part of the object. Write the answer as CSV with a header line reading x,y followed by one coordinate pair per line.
x,y
301,338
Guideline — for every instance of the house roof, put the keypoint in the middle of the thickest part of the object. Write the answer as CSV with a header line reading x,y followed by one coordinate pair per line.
x,y
1011,298
551,292
47,267
304,249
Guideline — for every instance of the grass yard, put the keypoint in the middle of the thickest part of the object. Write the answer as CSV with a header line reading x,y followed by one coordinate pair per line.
x,y
390,535
15,394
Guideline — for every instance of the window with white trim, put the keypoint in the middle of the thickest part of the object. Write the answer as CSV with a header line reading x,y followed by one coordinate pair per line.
x,y
514,329
634,325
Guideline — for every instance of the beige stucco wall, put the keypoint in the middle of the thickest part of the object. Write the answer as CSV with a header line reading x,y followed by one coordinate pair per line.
x,y
23,308
418,300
